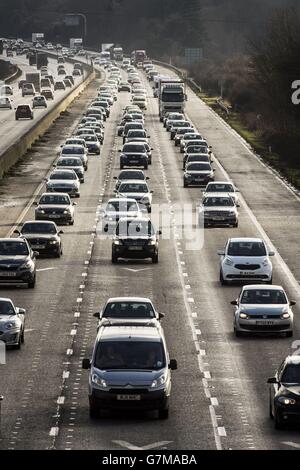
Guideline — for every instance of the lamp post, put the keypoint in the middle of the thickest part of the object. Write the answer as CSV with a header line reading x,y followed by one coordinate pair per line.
x,y
84,21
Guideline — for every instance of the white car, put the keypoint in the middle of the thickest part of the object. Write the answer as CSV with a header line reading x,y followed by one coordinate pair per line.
x,y
245,259
263,309
75,151
217,187
138,190
117,208
5,102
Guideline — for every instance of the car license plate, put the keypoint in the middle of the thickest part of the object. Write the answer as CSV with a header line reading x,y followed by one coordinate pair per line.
x,y
134,161
7,274
265,323
135,248
54,216
128,397
245,273
218,218
38,247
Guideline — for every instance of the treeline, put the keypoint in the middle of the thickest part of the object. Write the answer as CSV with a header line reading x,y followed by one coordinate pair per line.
x,y
259,84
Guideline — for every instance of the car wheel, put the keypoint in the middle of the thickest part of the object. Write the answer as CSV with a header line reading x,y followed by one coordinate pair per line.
x,y
18,346
270,281
94,412
278,424
238,334
163,413
185,185
23,337
289,334
58,254
236,225
31,285
176,143
114,258
155,258
121,166
146,167
270,409
222,280
71,222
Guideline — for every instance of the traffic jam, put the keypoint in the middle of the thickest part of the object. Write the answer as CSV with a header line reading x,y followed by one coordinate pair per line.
x,y
130,345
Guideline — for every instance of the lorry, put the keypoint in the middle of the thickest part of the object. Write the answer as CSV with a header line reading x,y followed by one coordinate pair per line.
x,y
35,79
41,60
76,43
138,57
171,96
37,37
118,53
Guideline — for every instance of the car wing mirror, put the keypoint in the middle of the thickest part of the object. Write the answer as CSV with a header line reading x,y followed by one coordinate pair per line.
x,y
292,303
271,253
74,203
161,315
272,380
234,302
86,364
61,232
173,364
221,252
35,254
159,232
17,231
97,315
22,311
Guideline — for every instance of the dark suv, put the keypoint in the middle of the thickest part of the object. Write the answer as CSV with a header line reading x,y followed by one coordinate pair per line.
x,y
135,238
24,111
17,262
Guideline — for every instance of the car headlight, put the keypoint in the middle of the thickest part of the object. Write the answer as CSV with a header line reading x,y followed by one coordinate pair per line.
x,y
232,213
66,211
285,316
99,381
286,401
117,242
159,382
244,316
53,242
40,210
152,241
229,262
265,262
26,265
10,325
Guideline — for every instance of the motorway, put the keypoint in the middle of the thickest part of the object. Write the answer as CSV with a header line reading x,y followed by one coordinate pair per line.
x,y
10,129
219,395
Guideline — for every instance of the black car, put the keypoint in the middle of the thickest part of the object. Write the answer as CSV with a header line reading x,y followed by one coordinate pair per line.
x,y
24,111
17,262
42,236
134,155
285,393
55,206
135,238
198,174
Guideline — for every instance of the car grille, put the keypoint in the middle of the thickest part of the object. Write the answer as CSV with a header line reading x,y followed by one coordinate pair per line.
x,y
247,276
37,241
12,267
218,213
264,317
62,189
54,211
128,391
130,242
266,327
247,267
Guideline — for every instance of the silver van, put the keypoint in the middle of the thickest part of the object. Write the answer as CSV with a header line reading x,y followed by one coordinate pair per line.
x,y
130,370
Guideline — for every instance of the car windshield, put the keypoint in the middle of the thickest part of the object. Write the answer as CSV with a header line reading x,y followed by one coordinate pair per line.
x,y
192,137
72,150
69,162
199,167
197,149
63,175
130,355
263,296
291,374
55,199
6,308
134,148
184,130
247,249
219,188
129,310
131,175
135,228
39,228
218,201
136,134
121,206
90,138
13,248
133,188
198,158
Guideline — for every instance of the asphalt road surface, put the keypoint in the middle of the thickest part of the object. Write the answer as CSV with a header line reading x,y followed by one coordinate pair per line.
x,y
10,129
219,395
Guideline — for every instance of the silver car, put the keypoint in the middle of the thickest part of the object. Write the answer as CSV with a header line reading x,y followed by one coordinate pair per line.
x,y
12,323
130,370
261,309
63,181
